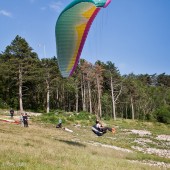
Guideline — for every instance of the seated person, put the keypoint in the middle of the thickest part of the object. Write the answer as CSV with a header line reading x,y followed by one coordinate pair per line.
x,y
99,129
59,125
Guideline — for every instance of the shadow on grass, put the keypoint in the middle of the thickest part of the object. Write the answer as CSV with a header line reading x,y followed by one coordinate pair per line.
x,y
72,143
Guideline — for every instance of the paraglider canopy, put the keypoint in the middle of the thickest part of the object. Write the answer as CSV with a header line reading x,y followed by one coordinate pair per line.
x,y
71,31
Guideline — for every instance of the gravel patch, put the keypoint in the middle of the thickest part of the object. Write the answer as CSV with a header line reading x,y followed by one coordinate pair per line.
x,y
159,152
110,146
141,132
163,137
143,141
162,165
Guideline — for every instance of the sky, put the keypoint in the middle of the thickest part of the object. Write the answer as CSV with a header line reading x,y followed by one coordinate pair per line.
x,y
132,34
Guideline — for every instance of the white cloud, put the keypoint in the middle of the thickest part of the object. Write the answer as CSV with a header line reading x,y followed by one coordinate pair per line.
x,y
57,6
5,13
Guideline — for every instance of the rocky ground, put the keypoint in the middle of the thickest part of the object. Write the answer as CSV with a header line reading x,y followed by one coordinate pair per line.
x,y
146,143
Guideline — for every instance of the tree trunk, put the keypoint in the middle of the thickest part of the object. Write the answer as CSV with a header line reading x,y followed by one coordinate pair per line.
x,y
83,94
126,110
57,98
63,98
90,102
132,105
77,100
84,101
20,89
99,98
113,99
48,97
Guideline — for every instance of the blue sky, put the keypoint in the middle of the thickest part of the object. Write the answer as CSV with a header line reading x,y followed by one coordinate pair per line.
x,y
133,34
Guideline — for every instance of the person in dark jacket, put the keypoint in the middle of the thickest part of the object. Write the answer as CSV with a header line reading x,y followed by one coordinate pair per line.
x,y
99,129
11,113
25,120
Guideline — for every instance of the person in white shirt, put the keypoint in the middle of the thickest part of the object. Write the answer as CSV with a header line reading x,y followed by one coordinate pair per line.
x,y
99,129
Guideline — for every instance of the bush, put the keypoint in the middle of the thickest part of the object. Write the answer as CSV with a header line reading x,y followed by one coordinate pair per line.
x,y
163,115
48,118
53,117
85,116
58,111
71,118
3,105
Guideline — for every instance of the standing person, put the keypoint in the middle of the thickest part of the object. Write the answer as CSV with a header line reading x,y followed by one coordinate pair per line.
x,y
99,129
25,120
11,113
21,119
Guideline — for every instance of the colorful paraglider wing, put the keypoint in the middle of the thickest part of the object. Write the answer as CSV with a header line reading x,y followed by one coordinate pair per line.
x,y
71,30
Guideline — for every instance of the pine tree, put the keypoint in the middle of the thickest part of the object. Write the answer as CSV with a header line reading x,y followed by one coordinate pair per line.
x,y
17,65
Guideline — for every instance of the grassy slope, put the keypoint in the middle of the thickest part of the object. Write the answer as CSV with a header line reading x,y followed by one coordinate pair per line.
x,y
43,147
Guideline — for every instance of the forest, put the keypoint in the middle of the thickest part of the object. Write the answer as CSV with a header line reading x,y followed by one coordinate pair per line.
x,y
30,83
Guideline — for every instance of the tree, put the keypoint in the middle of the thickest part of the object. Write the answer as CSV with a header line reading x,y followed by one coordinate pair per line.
x,y
112,76
98,72
131,85
19,60
88,74
48,73
163,80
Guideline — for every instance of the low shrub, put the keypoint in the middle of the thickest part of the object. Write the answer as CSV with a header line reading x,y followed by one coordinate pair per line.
x,y
163,115
3,105
53,117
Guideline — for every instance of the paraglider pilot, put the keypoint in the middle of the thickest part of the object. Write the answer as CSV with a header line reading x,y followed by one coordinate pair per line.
x,y
99,129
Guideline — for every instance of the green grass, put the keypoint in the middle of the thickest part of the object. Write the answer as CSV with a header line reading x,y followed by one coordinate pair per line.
x,y
43,147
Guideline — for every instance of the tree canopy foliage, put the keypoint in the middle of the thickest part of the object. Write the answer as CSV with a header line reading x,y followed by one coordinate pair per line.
x,y
30,83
